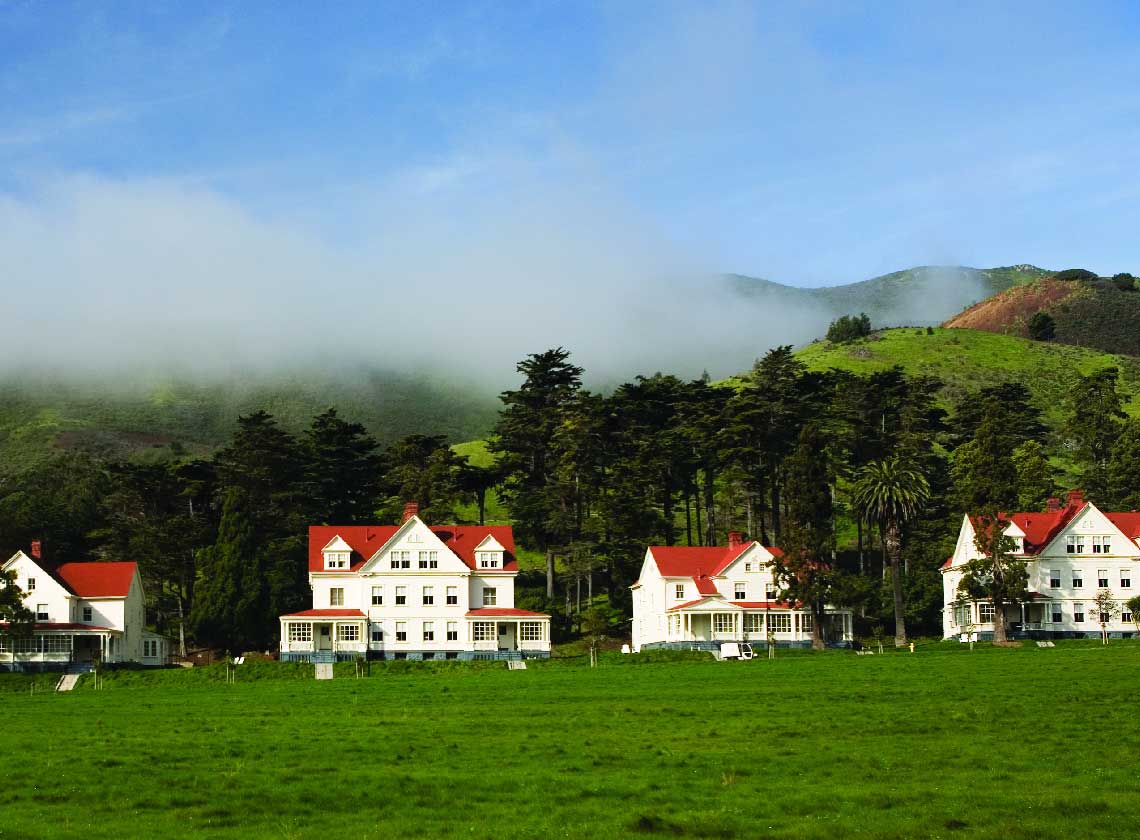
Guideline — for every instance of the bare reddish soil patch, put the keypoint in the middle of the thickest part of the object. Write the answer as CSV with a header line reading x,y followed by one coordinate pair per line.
x,y
1010,311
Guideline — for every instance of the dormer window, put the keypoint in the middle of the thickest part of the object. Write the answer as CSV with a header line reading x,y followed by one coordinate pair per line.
x,y
489,560
336,560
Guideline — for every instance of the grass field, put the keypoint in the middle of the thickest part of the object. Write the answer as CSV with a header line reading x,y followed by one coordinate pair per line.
x,y
1024,743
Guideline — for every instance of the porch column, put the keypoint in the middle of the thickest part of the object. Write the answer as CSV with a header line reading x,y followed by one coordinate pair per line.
x,y
335,625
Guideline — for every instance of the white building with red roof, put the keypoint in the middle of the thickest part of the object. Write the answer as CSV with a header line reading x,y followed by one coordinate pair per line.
x,y
1073,551
413,591
83,612
704,596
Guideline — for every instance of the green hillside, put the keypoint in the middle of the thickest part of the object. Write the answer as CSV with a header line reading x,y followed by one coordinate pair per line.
x,y
143,420
919,296
966,360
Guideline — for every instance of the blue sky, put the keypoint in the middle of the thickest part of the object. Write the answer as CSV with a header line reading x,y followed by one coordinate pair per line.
x,y
811,143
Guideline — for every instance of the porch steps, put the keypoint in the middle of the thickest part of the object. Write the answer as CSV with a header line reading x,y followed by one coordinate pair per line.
x,y
324,670
67,682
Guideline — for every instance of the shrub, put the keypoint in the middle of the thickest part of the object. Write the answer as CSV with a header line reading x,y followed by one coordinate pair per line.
x,y
1075,274
848,328
1125,282
1042,327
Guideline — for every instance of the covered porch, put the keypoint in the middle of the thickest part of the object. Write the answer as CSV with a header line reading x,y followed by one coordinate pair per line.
x,y
62,645
713,620
504,630
325,633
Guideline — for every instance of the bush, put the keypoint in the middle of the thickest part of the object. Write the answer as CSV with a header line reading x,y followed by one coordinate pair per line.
x,y
1075,274
848,328
1125,282
1042,327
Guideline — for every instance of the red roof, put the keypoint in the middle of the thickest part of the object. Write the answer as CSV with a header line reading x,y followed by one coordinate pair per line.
x,y
1129,523
700,562
326,614
503,612
97,580
705,585
366,540
949,562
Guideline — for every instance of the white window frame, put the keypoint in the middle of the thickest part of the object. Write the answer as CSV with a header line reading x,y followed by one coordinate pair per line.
x,y
1078,613
1102,545
493,600
724,623
739,591
300,631
88,614
401,559
452,596
429,631
780,622
377,634
453,631
754,622
401,596
336,596
336,560
428,560
401,632
31,584
488,559
1054,578
377,596
1126,578
42,613
1102,578
985,612
427,597
484,631
679,591
1056,613
1077,578
530,631
348,633
1075,544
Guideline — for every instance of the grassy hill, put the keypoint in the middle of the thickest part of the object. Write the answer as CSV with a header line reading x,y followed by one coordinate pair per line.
x,y
1096,314
918,296
143,420
966,360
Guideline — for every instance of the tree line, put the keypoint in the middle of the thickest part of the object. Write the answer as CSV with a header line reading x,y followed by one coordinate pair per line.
x,y
862,480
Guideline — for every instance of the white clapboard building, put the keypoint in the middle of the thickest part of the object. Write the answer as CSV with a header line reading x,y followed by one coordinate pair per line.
x,y
83,612
1072,551
704,596
413,591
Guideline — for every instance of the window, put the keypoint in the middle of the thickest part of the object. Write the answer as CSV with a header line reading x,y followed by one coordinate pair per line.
x,y
1102,578
401,595
770,593
429,596
963,614
31,584
483,631
1054,578
87,613
986,613
150,647
1078,612
377,634
674,624
429,560
738,591
807,622
56,644
723,623
401,631
453,631
679,591
488,559
1125,612
41,612
336,597
489,596
1075,544
429,631
377,596
336,559
1055,611
349,633
1102,545
452,596
754,623
300,632
780,623
1078,579
1125,578
748,567
530,631
401,559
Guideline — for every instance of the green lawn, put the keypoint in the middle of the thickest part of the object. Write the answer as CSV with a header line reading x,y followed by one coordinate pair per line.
x,y
1024,743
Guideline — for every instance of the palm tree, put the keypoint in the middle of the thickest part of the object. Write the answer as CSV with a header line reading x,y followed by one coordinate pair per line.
x,y
891,493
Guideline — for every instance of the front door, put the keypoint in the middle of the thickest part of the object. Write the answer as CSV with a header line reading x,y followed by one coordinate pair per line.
x,y
506,635
324,637
702,626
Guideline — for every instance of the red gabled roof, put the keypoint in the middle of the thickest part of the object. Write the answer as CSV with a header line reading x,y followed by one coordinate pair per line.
x,y
705,585
1129,523
1041,528
325,614
366,540
695,560
503,612
97,580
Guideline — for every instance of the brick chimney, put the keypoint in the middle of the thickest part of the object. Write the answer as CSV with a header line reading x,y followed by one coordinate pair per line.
x,y
1053,505
37,550
1076,498
411,509
735,539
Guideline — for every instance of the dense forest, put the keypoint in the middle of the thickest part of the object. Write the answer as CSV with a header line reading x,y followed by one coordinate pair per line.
x,y
862,480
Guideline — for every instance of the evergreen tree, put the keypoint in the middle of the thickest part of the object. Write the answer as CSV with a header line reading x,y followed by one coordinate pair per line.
x,y
230,607
983,471
1034,476
1042,327
1093,426
422,469
342,471
891,493
1008,405
805,573
524,440
1123,472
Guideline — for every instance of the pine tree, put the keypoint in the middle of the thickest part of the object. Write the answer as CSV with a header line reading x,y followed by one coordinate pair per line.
x,y
1095,412
342,471
1122,474
983,471
1034,476
230,603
